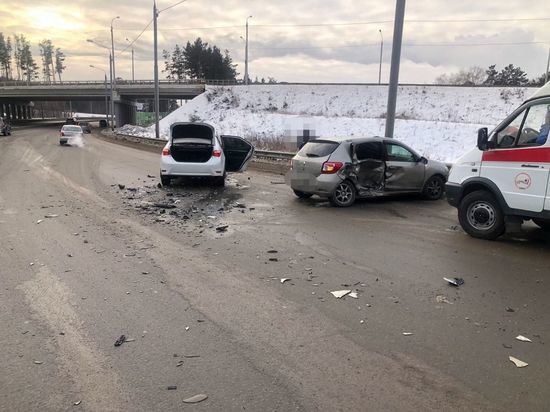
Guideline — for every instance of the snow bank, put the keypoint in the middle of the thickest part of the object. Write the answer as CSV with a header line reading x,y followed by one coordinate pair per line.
x,y
439,122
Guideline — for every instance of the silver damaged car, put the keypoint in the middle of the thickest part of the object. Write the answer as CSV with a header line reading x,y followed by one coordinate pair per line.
x,y
344,169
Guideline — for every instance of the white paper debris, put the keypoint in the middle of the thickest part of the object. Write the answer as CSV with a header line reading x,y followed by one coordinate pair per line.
x,y
523,338
442,299
340,293
353,295
517,362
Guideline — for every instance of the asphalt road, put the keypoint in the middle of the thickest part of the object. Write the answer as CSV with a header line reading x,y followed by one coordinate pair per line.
x,y
205,310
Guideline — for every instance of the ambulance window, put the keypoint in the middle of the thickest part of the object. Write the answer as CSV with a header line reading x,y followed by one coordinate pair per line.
x,y
534,131
507,136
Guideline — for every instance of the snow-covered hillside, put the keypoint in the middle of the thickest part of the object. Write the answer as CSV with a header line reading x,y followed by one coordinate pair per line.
x,y
439,122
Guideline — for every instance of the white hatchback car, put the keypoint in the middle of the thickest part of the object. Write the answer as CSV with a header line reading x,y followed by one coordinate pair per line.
x,y
196,150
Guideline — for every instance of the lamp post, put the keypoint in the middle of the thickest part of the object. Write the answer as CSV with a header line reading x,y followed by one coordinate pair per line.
x,y
111,79
381,51
547,67
113,47
106,93
156,69
395,61
246,53
133,79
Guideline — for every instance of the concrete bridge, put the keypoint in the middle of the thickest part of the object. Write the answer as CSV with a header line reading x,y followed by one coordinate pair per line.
x,y
16,97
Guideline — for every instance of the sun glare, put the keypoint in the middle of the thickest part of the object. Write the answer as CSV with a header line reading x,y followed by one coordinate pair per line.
x,y
48,18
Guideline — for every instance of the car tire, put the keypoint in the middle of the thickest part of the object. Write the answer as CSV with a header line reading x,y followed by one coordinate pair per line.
x,y
434,188
165,180
218,181
481,216
343,195
302,195
544,224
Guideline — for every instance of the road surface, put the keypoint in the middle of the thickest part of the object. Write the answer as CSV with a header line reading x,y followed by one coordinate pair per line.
x,y
84,261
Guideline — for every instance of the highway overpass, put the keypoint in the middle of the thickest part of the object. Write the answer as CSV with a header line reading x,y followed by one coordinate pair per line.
x,y
15,97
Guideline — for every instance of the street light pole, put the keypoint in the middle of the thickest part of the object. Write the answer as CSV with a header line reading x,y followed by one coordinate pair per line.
x,y
156,70
395,60
246,53
133,79
113,46
381,51
111,80
547,67
106,93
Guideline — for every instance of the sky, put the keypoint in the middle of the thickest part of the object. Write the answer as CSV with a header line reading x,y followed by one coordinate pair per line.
x,y
293,41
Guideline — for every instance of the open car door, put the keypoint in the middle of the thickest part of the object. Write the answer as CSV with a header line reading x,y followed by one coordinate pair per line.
x,y
238,153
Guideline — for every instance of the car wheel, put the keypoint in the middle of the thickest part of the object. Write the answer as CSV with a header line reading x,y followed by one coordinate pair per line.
x,y
165,180
219,181
302,195
433,188
343,195
544,224
480,215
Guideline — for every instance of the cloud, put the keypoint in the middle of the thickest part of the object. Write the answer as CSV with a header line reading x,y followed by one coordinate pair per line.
x,y
305,53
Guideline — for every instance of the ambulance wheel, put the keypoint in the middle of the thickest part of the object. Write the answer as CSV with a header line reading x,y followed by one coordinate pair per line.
x,y
480,215
544,224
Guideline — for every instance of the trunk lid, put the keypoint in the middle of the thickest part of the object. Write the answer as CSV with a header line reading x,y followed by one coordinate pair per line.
x,y
191,142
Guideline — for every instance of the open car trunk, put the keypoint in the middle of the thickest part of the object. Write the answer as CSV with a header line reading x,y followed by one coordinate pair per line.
x,y
191,142
238,153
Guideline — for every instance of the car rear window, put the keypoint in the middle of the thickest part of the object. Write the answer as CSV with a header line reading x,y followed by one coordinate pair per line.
x,y
72,128
318,148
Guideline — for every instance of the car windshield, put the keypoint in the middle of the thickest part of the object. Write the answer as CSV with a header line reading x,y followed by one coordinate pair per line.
x,y
318,148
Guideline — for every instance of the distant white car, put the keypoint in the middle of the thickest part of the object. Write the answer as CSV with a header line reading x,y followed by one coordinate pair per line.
x,y
69,132
196,150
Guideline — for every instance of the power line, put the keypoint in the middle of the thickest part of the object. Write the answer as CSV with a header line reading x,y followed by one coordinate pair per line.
x,y
406,45
136,39
169,7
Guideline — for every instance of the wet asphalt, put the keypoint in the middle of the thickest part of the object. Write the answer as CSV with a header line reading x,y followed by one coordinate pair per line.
x,y
191,275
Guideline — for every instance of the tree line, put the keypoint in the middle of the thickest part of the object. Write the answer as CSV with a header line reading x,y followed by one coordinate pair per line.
x,y
18,63
198,60
510,75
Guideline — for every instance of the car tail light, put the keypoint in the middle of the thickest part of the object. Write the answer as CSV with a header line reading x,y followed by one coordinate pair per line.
x,y
331,167
166,151
217,153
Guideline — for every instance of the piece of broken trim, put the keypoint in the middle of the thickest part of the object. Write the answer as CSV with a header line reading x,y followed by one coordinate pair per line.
x,y
283,280
517,362
196,399
407,333
340,293
454,281
523,338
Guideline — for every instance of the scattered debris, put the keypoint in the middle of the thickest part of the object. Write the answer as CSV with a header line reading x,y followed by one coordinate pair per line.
x,y
508,309
196,399
222,228
179,364
523,338
39,221
353,295
120,340
361,321
442,299
129,340
407,333
272,251
121,187
187,328
77,403
37,362
172,387
517,362
283,280
273,259
340,293
507,346
454,281
191,356
163,206
51,216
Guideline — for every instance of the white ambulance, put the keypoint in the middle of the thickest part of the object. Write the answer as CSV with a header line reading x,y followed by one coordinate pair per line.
x,y
505,180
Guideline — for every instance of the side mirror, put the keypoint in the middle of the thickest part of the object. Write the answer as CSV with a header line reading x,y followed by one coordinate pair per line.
x,y
482,139
423,160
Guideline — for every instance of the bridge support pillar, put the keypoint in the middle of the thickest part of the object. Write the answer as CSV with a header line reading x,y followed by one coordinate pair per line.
x,y
125,113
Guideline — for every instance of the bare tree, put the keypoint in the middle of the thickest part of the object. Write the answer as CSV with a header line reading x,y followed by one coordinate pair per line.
x,y
472,76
